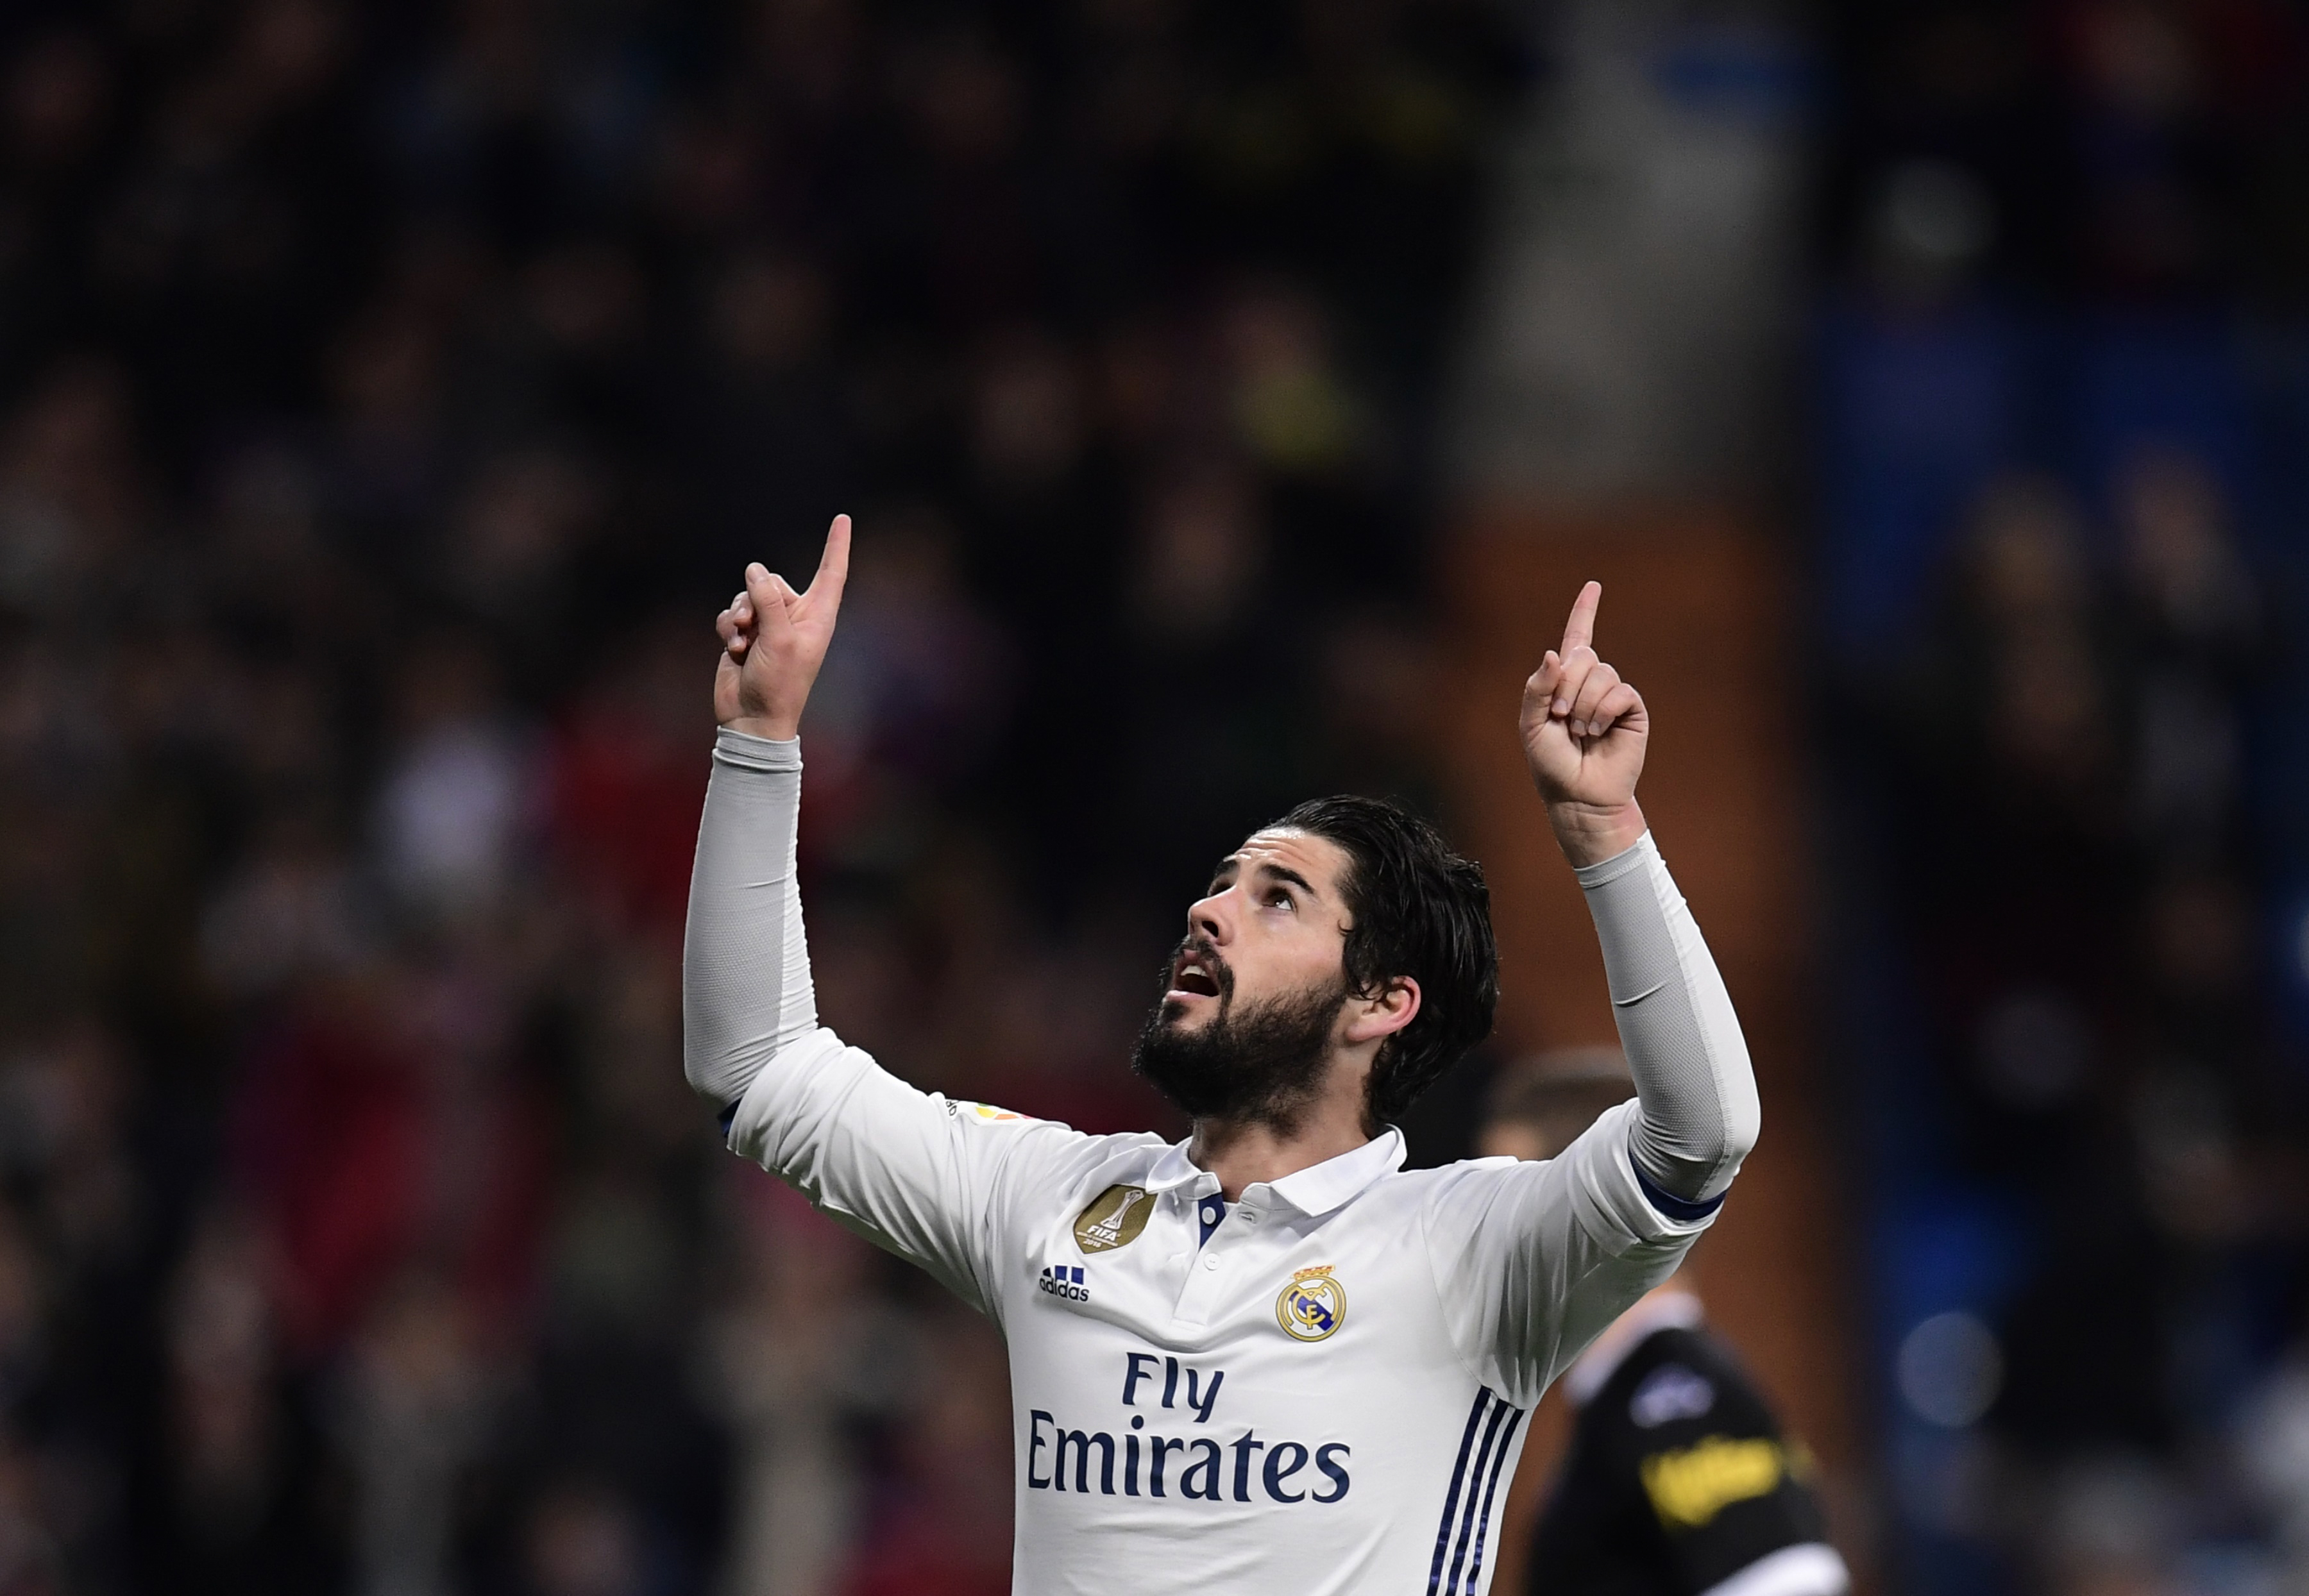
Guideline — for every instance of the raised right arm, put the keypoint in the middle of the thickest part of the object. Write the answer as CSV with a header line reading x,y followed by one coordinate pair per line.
x,y
889,1161
746,994
911,1170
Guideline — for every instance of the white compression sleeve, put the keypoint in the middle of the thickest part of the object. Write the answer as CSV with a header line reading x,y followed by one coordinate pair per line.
x,y
1700,1113
745,965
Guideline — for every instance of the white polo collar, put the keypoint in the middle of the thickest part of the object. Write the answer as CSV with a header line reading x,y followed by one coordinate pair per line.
x,y
1314,1191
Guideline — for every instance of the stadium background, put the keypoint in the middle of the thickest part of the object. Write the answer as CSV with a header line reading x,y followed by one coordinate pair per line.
x,y
1231,398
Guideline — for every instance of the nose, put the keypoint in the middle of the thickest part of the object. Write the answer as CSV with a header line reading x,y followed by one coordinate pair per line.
x,y
1207,916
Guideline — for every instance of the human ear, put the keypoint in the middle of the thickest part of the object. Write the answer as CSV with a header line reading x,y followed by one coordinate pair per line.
x,y
1375,1018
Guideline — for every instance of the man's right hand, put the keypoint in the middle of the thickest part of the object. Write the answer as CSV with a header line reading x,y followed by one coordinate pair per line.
x,y
773,639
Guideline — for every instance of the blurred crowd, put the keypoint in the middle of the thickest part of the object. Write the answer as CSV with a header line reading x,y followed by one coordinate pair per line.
x,y
2063,800
2062,462
389,397
2144,152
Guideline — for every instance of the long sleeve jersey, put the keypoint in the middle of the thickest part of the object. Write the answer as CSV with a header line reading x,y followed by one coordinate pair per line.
x,y
1318,1387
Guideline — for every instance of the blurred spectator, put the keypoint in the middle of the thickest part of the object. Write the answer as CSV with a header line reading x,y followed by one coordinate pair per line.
x,y
2197,641
414,1412
945,1525
456,793
583,1541
809,1357
621,791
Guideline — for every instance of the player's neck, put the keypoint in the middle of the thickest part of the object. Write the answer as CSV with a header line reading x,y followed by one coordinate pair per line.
x,y
1244,1152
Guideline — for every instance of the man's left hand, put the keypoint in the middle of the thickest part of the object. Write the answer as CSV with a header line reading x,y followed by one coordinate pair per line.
x,y
1584,733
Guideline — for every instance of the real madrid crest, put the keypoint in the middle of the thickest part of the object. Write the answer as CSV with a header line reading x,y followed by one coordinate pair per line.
x,y
1313,1306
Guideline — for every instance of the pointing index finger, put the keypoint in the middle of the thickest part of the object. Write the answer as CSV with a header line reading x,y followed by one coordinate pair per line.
x,y
1579,630
833,564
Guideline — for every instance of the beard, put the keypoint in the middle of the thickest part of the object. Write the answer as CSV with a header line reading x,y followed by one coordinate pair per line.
x,y
1262,1063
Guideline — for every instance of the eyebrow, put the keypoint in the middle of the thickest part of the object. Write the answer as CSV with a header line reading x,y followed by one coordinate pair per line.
x,y
1279,872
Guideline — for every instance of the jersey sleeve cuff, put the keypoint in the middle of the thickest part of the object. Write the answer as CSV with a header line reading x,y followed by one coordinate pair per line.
x,y
1603,872
1619,1208
751,753
1667,1202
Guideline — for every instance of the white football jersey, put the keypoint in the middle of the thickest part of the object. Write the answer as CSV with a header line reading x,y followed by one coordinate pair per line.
x,y
1320,1388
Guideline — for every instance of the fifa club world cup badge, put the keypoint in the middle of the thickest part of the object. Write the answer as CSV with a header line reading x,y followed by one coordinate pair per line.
x,y
1313,1306
1114,1219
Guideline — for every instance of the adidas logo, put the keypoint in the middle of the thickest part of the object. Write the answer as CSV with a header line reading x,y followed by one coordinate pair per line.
x,y
1061,1280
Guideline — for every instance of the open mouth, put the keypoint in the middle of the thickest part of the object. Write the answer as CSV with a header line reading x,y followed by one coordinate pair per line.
x,y
1190,979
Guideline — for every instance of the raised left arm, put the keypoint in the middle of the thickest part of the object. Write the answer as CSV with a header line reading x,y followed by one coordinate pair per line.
x,y
1584,732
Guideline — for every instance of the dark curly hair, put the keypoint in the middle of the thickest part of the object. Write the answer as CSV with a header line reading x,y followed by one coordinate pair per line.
x,y
1421,911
